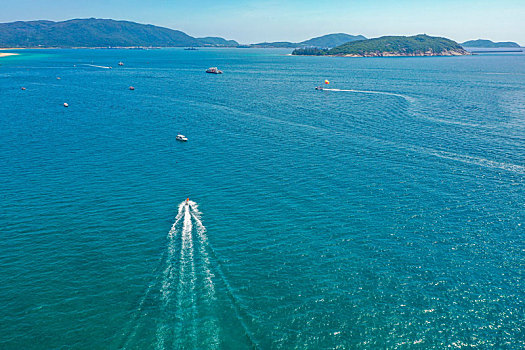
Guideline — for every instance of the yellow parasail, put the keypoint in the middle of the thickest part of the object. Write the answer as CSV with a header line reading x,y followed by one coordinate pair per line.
x,y
326,82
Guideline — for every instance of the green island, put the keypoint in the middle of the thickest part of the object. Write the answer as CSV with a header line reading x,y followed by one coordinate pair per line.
x,y
388,46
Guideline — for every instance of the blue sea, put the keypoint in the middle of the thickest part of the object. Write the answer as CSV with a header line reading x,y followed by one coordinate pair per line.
x,y
385,212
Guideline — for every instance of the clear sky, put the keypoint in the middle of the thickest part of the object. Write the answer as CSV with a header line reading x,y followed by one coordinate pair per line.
x,y
250,21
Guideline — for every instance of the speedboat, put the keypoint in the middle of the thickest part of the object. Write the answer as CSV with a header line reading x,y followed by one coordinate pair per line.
x,y
182,138
214,70
121,63
319,88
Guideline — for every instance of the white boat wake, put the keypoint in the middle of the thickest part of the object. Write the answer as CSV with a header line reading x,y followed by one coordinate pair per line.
x,y
186,308
94,65
408,98
187,290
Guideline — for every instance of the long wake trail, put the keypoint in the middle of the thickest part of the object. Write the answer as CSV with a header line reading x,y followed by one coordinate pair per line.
x,y
181,307
408,98
186,306
96,66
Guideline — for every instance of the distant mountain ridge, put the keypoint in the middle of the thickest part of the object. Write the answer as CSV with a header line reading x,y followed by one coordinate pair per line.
x,y
483,43
93,32
217,41
325,41
332,40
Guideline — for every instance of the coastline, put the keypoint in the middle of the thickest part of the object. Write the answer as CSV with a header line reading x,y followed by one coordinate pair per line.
x,y
398,54
110,47
6,54
415,54
82,47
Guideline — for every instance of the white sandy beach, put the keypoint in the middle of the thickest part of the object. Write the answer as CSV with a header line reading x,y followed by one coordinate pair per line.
x,y
5,54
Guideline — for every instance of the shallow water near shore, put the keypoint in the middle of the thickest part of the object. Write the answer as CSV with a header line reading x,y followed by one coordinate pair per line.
x,y
386,212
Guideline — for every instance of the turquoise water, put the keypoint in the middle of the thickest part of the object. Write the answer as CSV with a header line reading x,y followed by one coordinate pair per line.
x,y
389,215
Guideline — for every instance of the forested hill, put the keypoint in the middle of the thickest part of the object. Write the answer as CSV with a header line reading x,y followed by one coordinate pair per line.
x,y
418,45
331,40
94,32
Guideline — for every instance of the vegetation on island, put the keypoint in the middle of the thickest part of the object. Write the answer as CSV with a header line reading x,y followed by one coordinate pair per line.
x,y
310,51
418,45
481,43
94,32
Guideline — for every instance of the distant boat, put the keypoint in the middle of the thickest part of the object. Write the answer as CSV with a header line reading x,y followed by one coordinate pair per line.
x,y
131,88
23,88
120,63
65,104
190,49
214,70
182,138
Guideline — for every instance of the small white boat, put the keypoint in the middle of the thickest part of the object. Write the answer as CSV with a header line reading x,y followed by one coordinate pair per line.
x,y
214,70
65,104
182,138
121,63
